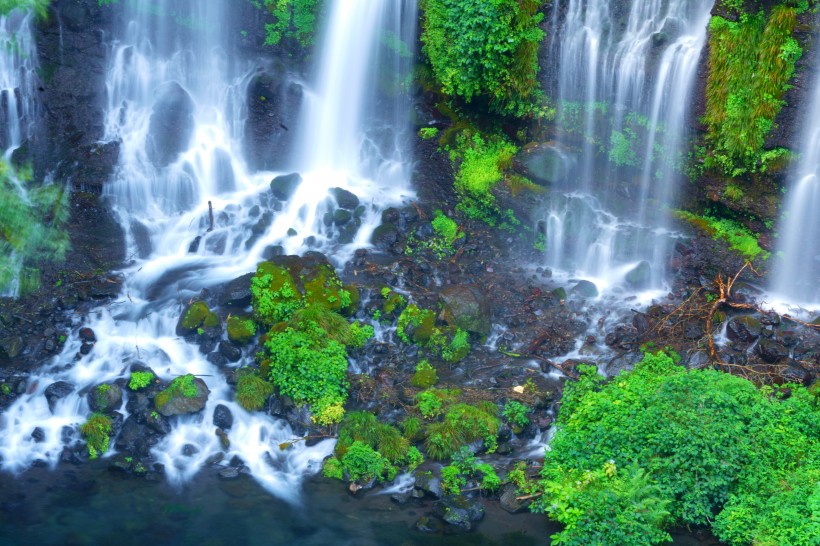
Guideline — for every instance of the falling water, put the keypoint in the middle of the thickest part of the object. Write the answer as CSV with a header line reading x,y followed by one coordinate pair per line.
x,y
797,271
176,93
621,76
18,58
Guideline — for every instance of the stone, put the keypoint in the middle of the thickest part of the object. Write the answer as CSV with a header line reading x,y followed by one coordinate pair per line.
x,y
745,328
429,484
230,473
105,398
466,307
223,418
87,335
176,400
57,391
273,101
771,351
559,293
38,435
12,346
585,289
171,125
284,185
230,351
238,291
795,372
194,317
545,163
384,236
460,512
509,500
640,276
345,199
341,217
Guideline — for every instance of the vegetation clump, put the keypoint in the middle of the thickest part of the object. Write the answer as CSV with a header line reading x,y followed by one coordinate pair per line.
x,y
486,51
240,330
184,385
425,375
446,232
97,432
252,391
662,445
293,19
741,239
416,325
140,380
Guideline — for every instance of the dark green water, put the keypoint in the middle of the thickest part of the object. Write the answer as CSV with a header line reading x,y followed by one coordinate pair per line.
x,y
89,505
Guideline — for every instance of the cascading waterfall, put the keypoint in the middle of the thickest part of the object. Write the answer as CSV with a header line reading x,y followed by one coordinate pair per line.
x,y
621,76
796,277
175,90
18,58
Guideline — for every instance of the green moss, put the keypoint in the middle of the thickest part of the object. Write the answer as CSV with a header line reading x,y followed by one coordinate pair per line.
x,y
240,330
751,62
415,322
392,301
183,385
275,295
739,238
252,391
96,431
425,375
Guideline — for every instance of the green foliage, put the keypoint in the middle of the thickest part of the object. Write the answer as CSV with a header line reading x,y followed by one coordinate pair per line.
x,y
739,238
751,62
293,19
362,426
364,464
392,300
420,323
414,458
411,426
40,7
704,446
240,330
274,293
453,344
452,480
32,222
332,468
416,325
441,244
486,50
96,431
465,465
462,424
426,133
252,391
516,413
430,403
425,375
622,147
198,316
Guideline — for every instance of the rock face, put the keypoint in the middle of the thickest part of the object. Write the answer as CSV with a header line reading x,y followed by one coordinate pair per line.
x,y
466,307
171,125
274,101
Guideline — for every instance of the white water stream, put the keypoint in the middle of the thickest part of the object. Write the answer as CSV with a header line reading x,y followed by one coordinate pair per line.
x,y
175,90
621,75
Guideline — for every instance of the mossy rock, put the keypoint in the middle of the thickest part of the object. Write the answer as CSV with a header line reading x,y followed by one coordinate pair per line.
x,y
195,316
186,394
105,398
240,330
465,307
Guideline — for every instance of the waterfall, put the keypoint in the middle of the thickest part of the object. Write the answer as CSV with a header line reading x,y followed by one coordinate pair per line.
x,y
176,92
623,88
796,276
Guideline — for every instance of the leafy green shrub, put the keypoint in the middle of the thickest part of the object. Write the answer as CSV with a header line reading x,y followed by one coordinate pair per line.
x,y
452,480
40,7
274,293
441,244
140,380
332,468
429,403
293,19
705,446
516,413
425,375
462,424
481,168
485,49
414,458
252,391
751,62
739,238
426,133
363,464
415,322
96,431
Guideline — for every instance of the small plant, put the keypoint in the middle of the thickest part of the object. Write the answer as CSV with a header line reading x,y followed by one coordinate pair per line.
x,y
96,432
140,380
414,458
5,389
426,133
516,413
425,375
364,464
240,330
332,468
452,480
429,404
252,391
184,385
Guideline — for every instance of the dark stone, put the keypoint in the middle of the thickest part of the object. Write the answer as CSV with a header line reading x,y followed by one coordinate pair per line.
x,y
459,512
384,236
230,351
429,484
745,329
87,335
85,348
341,217
795,372
345,199
12,346
273,104
509,500
106,399
217,359
238,291
179,404
466,307
38,435
640,276
193,248
223,418
771,351
559,293
585,289
544,164
284,185
230,473
171,125
189,450
57,391
134,437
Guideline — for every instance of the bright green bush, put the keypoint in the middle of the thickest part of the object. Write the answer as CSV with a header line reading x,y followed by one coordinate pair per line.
x,y
363,464
708,447
252,391
96,432
462,425
486,50
516,413
293,19
739,238
140,380
39,7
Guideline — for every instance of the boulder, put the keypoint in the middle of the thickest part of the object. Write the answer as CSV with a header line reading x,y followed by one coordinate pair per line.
x,y
345,199
185,394
429,484
194,317
585,289
771,351
466,307
238,291
460,512
545,164
384,236
744,328
57,391
284,186
509,500
105,398
273,102
223,418
640,276
171,125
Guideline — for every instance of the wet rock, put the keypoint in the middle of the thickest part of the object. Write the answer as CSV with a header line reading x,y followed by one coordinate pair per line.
x,y
134,437
623,363
384,236
171,125
466,307
429,484
640,276
38,435
238,291
459,512
559,293
86,348
195,317
193,248
427,525
105,398
585,289
401,498
698,359
87,335
345,199
230,473
341,217
57,391
273,102
546,163
624,336
179,401
509,500
744,329
223,418
795,372
217,359
284,185
771,351
11,346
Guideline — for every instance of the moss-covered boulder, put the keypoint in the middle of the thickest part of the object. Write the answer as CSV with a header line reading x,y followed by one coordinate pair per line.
x,y
105,398
186,394
465,307
196,316
240,329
